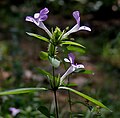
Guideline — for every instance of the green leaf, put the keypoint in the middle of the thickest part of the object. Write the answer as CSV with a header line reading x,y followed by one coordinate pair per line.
x,y
43,72
85,71
77,115
76,49
88,72
21,91
38,36
72,43
54,62
56,34
70,85
44,111
44,55
86,97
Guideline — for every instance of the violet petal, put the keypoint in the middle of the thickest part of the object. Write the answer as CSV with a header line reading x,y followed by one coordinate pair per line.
x,y
69,71
71,58
44,11
43,18
76,15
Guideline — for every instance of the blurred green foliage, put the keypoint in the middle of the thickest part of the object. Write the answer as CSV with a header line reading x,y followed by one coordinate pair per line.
x,y
111,52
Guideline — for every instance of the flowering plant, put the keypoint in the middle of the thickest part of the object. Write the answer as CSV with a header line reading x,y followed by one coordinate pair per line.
x,y
57,38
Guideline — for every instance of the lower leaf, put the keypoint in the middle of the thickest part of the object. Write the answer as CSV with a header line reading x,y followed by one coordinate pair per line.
x,y
86,97
22,90
44,111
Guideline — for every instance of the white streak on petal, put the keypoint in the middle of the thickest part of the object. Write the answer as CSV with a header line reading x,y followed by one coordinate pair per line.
x,y
80,66
84,28
41,25
69,71
71,58
31,19
74,29
66,60
36,15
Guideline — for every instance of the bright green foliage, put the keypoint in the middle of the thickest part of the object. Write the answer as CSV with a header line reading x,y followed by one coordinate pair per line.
x,y
72,43
76,49
87,72
56,37
38,36
43,55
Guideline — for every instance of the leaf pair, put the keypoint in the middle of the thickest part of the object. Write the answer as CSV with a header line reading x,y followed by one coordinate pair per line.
x,y
29,90
62,42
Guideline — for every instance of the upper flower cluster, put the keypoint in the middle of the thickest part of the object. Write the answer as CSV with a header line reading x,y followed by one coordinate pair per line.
x,y
42,16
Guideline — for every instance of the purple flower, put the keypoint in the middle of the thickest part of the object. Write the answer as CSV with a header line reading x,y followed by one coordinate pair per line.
x,y
14,111
39,18
42,15
73,68
77,27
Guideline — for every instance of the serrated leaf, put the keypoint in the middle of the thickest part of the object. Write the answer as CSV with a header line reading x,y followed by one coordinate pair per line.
x,y
44,55
76,49
38,36
54,62
72,43
86,97
21,91
44,111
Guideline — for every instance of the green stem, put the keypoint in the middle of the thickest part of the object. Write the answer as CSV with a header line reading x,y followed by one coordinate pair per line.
x,y
55,96
55,90
54,83
69,99
56,105
54,86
